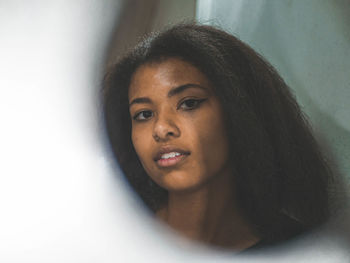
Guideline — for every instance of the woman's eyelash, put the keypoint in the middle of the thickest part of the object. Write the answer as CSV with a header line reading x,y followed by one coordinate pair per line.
x,y
190,104
143,115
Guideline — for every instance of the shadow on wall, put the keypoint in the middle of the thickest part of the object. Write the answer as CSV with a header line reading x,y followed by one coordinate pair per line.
x,y
139,18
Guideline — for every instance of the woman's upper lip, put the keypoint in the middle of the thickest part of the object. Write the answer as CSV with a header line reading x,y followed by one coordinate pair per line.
x,y
168,149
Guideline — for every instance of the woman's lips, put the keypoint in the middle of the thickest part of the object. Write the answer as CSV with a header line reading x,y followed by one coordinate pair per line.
x,y
169,156
168,162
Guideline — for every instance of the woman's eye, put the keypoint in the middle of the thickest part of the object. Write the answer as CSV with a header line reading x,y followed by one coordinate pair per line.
x,y
190,104
143,115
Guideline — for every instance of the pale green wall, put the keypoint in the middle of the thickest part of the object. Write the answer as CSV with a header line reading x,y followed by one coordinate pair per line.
x,y
309,44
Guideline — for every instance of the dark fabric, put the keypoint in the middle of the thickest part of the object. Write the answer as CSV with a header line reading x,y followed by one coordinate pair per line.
x,y
288,228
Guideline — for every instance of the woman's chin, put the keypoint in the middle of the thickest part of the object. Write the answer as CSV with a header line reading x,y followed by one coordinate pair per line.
x,y
180,182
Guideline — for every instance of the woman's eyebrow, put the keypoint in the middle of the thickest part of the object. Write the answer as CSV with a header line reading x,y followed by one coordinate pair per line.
x,y
140,100
172,92
181,88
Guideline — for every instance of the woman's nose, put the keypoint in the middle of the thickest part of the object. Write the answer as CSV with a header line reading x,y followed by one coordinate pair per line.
x,y
165,128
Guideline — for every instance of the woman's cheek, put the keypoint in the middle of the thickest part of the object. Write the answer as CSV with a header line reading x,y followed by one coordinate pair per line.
x,y
137,142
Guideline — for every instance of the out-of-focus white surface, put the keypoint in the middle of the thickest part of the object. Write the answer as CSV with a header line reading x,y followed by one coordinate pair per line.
x,y
60,197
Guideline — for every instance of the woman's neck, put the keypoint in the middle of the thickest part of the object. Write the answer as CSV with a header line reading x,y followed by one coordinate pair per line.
x,y
209,215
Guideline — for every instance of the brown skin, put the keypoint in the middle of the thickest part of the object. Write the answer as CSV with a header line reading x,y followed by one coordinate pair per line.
x,y
202,204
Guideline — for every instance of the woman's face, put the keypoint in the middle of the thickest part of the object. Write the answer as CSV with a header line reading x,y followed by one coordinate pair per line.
x,y
178,130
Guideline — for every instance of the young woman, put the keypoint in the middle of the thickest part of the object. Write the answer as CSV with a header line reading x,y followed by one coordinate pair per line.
x,y
210,137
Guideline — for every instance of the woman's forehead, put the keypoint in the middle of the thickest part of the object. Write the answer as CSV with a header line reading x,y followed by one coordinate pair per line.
x,y
170,72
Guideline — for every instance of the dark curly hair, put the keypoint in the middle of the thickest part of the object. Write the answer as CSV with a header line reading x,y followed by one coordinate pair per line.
x,y
279,169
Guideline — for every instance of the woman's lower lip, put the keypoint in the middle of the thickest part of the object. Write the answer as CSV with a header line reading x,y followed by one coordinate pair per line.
x,y
171,161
